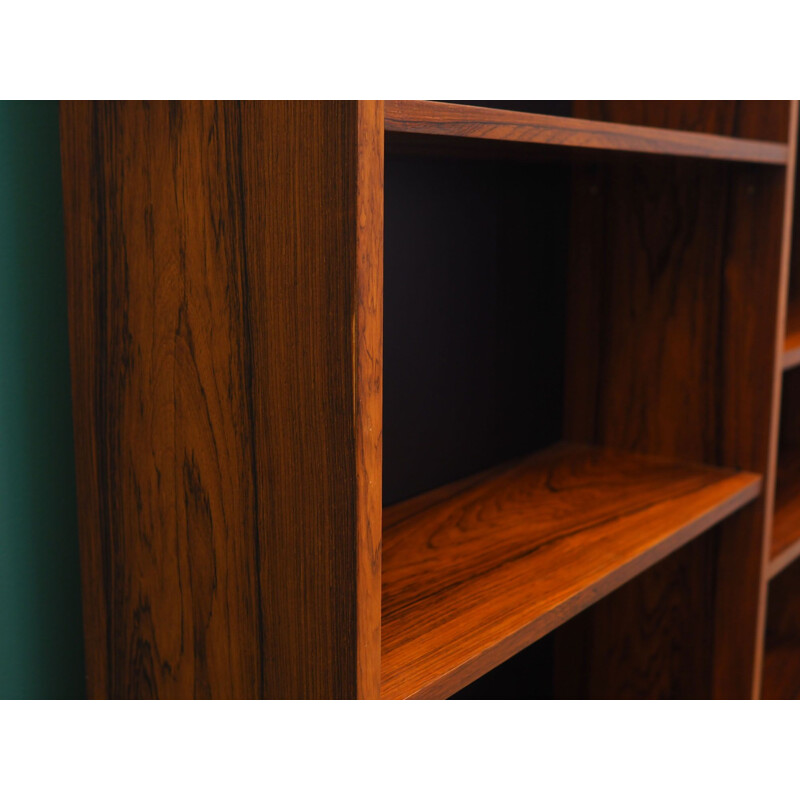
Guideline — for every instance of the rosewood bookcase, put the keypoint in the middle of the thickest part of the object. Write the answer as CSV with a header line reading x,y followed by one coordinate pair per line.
x,y
415,399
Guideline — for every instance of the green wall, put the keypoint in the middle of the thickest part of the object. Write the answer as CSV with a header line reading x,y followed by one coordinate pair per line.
x,y
41,649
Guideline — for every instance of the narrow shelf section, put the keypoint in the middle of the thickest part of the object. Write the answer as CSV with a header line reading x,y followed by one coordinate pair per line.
x,y
786,522
781,672
791,345
473,122
477,570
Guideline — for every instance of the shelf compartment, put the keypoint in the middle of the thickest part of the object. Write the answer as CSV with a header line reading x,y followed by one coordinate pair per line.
x,y
781,673
431,118
791,345
785,546
477,570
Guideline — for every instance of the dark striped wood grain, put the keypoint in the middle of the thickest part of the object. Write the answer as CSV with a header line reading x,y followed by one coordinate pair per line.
x,y
462,121
766,120
224,263
674,314
475,571
225,292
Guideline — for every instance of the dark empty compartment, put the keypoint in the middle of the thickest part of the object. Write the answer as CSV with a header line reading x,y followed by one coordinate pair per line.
x,y
781,676
474,306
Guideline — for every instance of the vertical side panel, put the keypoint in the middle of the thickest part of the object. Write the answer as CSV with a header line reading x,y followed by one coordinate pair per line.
x,y
756,282
212,262
787,235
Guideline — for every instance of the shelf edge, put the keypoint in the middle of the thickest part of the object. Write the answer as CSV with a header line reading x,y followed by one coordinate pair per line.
x,y
477,122
790,358
447,684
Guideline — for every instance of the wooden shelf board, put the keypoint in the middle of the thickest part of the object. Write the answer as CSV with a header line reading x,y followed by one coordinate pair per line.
x,y
475,571
785,547
791,345
472,122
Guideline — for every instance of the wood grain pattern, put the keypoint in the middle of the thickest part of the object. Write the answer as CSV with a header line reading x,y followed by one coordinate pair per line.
x,y
368,343
649,639
674,310
222,289
475,571
459,121
225,291
753,119
787,234
662,347
644,307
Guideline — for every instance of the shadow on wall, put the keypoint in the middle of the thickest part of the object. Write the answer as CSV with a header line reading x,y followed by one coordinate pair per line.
x,y
41,645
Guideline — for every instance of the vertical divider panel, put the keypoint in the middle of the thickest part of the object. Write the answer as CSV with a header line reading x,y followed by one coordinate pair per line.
x,y
752,281
223,280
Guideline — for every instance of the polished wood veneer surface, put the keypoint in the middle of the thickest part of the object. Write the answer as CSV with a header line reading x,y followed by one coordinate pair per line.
x,y
472,122
476,570
616,275
766,120
224,290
